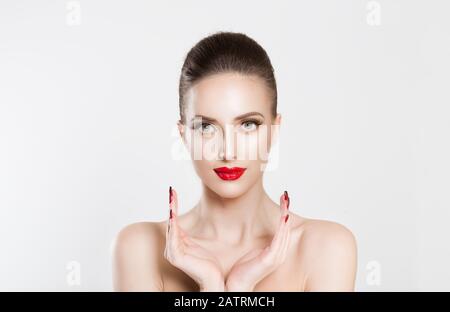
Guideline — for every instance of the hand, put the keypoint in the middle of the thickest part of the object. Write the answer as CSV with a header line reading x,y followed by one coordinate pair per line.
x,y
188,256
257,264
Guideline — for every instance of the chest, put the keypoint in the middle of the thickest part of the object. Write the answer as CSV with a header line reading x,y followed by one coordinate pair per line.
x,y
289,276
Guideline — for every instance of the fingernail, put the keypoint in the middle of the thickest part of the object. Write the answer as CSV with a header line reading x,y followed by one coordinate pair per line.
x,y
171,215
170,195
286,218
286,197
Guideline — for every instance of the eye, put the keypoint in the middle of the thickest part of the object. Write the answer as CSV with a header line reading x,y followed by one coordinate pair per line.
x,y
250,125
205,128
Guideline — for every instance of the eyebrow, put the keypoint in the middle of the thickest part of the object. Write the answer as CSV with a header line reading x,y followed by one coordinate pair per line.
x,y
236,118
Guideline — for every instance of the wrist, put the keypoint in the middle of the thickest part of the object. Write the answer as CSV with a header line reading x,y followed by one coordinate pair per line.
x,y
231,286
216,286
213,285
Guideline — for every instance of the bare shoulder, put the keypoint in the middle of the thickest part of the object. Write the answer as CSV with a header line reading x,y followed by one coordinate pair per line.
x,y
137,254
327,233
330,251
140,232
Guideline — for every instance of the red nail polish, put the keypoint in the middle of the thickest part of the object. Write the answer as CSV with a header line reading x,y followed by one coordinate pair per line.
x,y
170,195
171,215
286,197
286,218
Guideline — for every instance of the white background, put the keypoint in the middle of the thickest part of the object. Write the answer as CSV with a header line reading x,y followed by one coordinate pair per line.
x,y
89,102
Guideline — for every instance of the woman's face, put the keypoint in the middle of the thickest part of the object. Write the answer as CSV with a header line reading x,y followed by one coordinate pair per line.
x,y
229,125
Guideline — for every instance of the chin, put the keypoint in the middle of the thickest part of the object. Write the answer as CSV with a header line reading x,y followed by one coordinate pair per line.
x,y
228,189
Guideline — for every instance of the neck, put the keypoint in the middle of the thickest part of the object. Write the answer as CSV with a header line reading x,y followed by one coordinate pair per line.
x,y
235,220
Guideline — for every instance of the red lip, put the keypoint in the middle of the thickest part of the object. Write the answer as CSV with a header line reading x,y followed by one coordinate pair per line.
x,y
226,173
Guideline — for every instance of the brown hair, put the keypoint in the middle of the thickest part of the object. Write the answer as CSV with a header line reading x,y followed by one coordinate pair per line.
x,y
224,52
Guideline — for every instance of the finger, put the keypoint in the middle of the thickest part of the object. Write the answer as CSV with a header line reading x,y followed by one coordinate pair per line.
x,y
284,202
185,240
278,247
286,227
173,205
174,214
166,250
287,240
277,241
174,201
286,232
271,251
285,243
182,234
169,221
175,241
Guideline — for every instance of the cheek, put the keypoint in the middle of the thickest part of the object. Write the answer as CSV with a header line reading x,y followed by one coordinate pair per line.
x,y
205,172
203,147
257,145
263,142
253,145
211,147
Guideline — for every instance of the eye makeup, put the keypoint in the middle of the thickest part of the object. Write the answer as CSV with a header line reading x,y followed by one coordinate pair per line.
x,y
200,126
201,117
257,122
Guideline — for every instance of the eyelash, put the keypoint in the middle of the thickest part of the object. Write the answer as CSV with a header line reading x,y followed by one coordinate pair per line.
x,y
255,121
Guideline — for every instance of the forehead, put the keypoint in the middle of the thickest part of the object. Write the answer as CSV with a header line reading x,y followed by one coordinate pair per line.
x,y
224,96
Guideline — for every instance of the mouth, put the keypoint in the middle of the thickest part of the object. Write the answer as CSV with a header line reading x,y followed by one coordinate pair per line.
x,y
228,174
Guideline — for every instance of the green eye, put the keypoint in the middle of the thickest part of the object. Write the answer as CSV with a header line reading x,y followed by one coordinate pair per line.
x,y
205,128
250,125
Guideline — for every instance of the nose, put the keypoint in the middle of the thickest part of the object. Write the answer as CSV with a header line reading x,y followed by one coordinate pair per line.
x,y
229,144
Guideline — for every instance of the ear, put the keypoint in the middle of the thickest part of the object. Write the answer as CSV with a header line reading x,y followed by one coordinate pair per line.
x,y
274,133
182,130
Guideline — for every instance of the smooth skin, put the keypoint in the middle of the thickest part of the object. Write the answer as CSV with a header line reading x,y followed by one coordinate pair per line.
x,y
204,268
321,256
235,237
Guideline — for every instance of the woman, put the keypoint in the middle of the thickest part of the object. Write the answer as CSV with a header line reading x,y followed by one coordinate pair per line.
x,y
235,238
